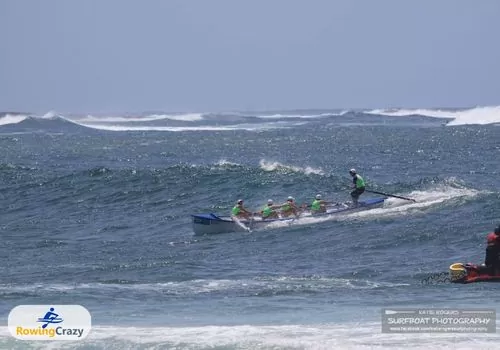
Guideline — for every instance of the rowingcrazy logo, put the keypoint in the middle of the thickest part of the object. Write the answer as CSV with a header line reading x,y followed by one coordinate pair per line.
x,y
49,322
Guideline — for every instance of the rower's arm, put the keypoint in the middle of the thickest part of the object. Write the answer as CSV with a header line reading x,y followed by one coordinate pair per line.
x,y
246,210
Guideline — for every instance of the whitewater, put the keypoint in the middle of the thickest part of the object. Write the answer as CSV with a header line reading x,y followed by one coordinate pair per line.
x,y
96,211
257,121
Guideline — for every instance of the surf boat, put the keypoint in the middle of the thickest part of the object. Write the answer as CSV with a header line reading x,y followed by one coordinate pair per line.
x,y
470,273
210,223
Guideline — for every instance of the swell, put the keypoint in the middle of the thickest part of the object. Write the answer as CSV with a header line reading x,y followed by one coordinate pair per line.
x,y
259,287
250,121
51,122
178,185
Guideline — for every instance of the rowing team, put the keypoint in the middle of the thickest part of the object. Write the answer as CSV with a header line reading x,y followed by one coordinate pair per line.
x,y
270,211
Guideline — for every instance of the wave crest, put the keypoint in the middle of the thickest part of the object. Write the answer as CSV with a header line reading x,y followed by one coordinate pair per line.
x,y
477,115
280,167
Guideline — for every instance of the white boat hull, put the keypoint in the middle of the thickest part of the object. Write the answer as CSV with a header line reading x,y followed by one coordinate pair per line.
x,y
206,224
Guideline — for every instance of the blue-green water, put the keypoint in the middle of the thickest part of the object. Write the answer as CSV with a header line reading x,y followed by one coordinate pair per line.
x,y
98,214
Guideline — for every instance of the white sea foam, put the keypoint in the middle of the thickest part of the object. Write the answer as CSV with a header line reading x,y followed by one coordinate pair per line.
x,y
477,115
204,286
159,128
248,127
277,166
353,335
12,119
16,119
436,113
51,115
190,117
392,206
424,199
224,162
311,116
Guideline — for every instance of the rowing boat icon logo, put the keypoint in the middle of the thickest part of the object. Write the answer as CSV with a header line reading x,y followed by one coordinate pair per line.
x,y
49,322
50,317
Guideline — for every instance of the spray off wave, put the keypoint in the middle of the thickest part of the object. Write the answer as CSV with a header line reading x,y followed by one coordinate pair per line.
x,y
477,115
127,119
424,200
8,118
267,165
183,122
393,207
12,119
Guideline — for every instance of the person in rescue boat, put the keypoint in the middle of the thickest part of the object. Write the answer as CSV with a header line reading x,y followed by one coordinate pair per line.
x,y
492,256
240,212
491,264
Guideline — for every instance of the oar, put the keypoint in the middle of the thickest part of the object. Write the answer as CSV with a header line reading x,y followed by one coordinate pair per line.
x,y
240,224
392,195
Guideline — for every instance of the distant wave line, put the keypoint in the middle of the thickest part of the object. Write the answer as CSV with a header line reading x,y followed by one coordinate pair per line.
x,y
477,115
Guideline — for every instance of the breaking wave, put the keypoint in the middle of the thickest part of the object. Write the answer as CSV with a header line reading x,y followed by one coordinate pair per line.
x,y
477,115
179,122
267,165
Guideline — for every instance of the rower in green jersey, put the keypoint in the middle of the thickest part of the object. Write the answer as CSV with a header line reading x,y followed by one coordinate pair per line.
x,y
318,205
289,207
240,212
358,185
269,211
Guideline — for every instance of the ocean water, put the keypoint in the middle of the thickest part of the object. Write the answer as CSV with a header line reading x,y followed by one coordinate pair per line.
x,y
95,210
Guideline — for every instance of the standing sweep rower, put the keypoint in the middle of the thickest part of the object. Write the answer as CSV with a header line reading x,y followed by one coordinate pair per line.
x,y
359,186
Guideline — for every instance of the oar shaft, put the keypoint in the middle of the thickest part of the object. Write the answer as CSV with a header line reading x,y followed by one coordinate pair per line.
x,y
391,195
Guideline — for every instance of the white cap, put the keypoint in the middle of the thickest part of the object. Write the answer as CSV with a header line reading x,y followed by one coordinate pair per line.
x,y
240,201
269,201
290,198
352,171
318,196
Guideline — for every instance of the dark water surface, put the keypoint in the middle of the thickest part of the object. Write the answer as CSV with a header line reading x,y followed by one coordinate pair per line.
x,y
102,219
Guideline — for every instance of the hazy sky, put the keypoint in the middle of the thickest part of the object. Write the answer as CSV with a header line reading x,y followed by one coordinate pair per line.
x,y
217,55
